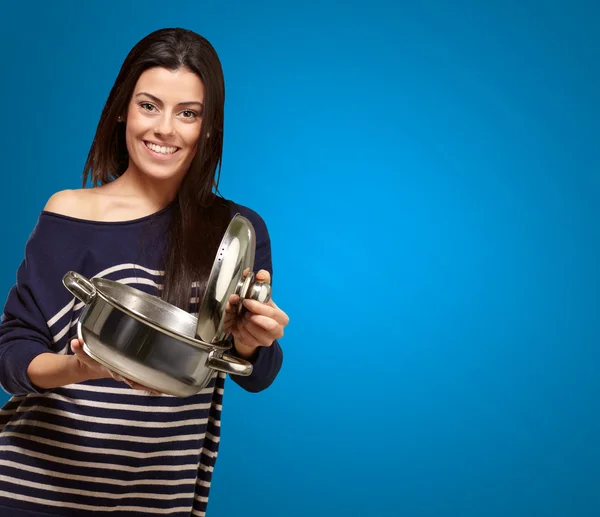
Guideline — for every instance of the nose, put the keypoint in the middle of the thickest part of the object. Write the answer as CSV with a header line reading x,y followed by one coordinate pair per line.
x,y
164,126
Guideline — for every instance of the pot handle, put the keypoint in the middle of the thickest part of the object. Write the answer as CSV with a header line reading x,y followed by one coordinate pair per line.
x,y
229,364
79,286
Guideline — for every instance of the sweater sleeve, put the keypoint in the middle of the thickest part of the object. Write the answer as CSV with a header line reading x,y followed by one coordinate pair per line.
x,y
268,361
24,330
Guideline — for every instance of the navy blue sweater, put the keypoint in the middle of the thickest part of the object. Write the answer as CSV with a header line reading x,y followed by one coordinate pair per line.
x,y
99,447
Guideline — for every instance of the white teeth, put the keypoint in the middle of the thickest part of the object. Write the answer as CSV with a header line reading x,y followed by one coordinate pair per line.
x,y
159,149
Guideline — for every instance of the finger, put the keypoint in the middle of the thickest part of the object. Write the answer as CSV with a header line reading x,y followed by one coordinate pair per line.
x,y
77,347
229,323
127,381
259,308
116,377
263,337
263,276
232,303
134,385
266,309
247,339
280,316
264,322
140,387
243,336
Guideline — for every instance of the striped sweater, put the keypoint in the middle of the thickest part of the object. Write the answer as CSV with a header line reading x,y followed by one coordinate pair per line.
x,y
100,448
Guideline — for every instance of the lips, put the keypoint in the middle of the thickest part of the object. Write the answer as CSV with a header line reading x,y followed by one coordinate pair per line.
x,y
160,153
161,149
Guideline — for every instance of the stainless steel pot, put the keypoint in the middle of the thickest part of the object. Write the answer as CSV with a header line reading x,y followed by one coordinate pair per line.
x,y
158,345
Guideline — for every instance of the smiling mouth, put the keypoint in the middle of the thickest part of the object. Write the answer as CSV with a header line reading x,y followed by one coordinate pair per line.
x,y
161,149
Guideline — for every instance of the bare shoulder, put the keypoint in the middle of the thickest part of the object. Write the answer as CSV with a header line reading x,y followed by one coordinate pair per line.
x,y
72,203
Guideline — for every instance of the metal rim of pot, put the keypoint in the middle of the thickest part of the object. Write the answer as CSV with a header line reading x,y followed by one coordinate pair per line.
x,y
86,291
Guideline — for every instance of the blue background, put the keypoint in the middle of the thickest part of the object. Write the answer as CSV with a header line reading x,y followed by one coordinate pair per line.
x,y
429,174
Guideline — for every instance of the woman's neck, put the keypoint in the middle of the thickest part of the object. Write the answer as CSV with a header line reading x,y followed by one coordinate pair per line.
x,y
155,193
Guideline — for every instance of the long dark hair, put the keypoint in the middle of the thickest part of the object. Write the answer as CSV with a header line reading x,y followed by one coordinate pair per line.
x,y
199,217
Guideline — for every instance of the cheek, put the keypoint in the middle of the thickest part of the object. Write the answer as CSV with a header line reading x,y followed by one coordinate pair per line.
x,y
131,141
136,124
132,129
192,138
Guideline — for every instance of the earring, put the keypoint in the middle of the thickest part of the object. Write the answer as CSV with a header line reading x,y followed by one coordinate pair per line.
x,y
208,135
120,119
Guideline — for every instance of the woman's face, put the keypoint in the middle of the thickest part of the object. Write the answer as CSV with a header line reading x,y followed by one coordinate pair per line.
x,y
164,118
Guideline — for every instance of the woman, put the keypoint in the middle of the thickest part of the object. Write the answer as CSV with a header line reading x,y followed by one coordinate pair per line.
x,y
75,439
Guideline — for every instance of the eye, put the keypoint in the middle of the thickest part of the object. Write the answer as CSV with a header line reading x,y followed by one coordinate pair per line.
x,y
189,114
148,106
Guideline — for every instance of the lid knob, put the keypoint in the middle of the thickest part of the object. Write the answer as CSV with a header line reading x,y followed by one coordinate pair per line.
x,y
260,291
249,288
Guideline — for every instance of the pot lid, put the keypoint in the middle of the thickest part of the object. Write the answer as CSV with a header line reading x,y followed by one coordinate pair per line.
x,y
231,274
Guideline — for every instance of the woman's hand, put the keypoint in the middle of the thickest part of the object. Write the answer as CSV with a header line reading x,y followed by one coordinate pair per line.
x,y
261,325
92,369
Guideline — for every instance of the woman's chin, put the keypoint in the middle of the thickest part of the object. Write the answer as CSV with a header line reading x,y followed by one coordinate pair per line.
x,y
161,173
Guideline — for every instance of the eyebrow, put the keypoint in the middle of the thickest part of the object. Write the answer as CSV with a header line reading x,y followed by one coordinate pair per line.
x,y
158,101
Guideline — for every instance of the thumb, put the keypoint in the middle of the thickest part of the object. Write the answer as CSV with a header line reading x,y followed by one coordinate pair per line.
x,y
263,276
77,346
